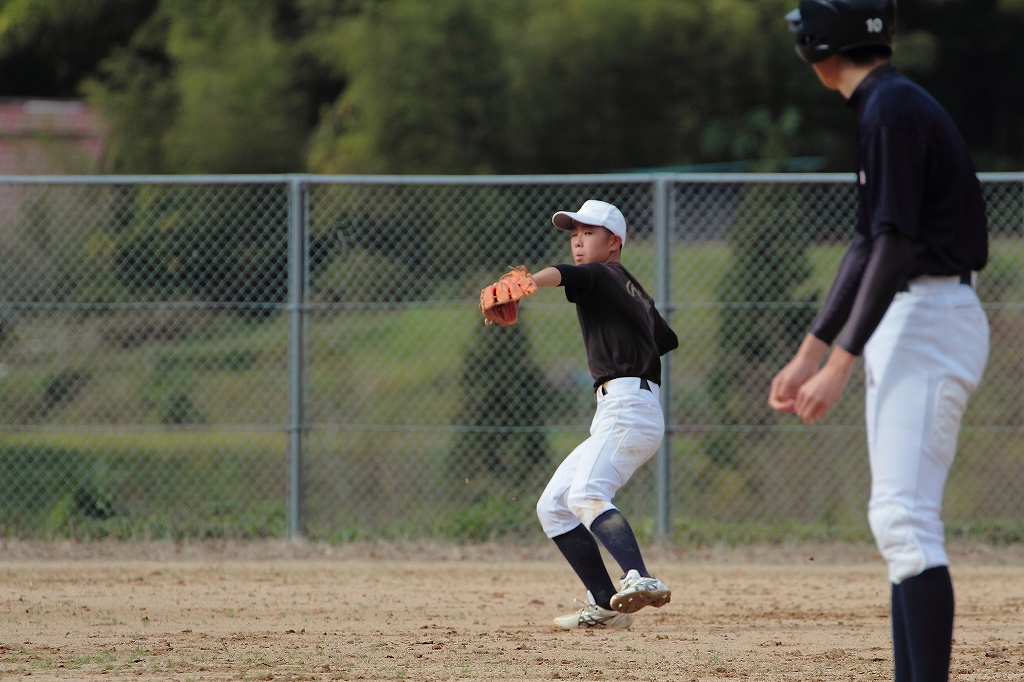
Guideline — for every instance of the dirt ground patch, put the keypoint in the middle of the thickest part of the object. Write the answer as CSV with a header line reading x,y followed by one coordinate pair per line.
x,y
476,618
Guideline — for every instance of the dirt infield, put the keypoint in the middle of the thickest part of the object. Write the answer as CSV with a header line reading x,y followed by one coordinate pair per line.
x,y
216,617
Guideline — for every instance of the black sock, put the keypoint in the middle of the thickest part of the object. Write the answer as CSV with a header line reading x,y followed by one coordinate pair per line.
x,y
900,645
614,532
924,604
581,551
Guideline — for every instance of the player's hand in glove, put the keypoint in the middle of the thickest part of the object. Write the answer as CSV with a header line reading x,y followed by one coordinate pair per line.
x,y
499,302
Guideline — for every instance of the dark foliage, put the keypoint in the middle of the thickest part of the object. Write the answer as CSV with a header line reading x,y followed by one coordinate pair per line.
x,y
504,395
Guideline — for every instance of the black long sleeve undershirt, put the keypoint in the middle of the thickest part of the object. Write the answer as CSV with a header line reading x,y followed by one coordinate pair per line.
x,y
870,275
841,296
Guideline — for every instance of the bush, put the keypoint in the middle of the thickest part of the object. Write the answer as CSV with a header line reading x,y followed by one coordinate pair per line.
x,y
168,392
489,518
177,243
62,388
85,492
763,317
233,249
128,329
500,433
435,232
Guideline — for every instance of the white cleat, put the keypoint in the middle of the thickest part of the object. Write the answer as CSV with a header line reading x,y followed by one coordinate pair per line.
x,y
637,592
592,616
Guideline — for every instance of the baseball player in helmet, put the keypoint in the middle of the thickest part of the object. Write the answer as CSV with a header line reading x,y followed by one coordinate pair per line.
x,y
903,297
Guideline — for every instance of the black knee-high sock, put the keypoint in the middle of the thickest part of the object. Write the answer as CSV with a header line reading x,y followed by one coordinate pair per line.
x,y
900,645
581,551
615,533
925,605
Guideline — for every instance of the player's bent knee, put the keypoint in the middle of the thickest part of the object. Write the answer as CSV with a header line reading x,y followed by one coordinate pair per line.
x,y
898,539
555,519
545,508
586,509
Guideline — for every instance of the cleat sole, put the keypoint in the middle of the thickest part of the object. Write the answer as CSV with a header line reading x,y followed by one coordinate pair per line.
x,y
634,601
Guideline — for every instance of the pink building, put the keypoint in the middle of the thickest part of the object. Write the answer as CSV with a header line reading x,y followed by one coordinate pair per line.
x,y
50,137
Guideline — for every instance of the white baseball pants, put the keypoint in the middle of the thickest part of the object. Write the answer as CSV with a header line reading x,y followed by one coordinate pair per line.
x,y
922,364
626,432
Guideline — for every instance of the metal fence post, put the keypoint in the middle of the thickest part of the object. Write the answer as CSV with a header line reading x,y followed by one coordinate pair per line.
x,y
297,239
663,300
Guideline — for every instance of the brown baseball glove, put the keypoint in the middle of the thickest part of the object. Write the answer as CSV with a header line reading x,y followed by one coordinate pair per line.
x,y
499,302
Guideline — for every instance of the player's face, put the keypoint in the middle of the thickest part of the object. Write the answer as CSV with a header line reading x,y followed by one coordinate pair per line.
x,y
592,244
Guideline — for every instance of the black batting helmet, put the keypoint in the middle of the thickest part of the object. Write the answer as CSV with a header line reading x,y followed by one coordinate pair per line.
x,y
827,27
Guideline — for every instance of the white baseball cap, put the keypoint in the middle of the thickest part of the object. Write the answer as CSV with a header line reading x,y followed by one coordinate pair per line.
x,y
594,212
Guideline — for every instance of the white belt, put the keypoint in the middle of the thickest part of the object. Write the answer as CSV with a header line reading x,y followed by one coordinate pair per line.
x,y
624,385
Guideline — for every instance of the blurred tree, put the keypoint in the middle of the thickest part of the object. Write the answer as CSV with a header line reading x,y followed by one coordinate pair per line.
x,y
504,395
560,85
598,85
757,137
134,87
48,46
603,84
233,250
975,68
764,314
175,247
237,108
218,87
428,93
467,86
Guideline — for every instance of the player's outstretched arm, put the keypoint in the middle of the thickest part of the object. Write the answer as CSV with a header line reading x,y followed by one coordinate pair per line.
x,y
548,277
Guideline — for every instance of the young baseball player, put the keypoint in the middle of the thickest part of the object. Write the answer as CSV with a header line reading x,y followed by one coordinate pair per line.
x,y
625,338
904,297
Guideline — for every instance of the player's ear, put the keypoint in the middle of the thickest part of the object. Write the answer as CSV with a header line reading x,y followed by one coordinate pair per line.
x,y
828,70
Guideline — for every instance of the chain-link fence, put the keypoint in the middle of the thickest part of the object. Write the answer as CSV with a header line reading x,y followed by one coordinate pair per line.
x,y
262,356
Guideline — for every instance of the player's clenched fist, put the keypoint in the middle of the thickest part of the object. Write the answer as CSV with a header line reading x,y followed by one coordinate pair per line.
x,y
787,382
803,389
823,390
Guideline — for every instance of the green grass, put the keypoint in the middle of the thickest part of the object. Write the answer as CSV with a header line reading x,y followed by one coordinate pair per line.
x,y
142,485
84,468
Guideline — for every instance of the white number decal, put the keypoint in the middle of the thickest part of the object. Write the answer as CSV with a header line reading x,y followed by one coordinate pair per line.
x,y
874,25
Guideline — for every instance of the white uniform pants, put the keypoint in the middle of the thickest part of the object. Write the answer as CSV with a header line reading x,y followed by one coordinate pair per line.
x,y
922,364
626,432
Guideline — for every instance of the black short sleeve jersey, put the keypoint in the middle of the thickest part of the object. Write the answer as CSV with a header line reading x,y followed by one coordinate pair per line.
x,y
622,330
916,176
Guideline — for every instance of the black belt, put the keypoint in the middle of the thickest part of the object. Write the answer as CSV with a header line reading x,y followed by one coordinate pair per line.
x,y
965,278
644,386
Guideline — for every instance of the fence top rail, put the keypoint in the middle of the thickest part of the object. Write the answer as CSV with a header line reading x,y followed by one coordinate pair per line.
x,y
1001,177
143,179
696,178
578,179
